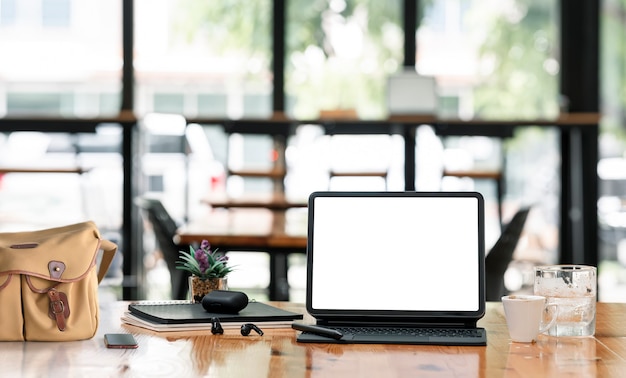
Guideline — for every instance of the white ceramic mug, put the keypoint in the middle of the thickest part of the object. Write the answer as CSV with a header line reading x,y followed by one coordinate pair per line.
x,y
524,314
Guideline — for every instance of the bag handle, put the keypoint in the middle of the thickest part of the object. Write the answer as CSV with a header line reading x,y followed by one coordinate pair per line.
x,y
109,248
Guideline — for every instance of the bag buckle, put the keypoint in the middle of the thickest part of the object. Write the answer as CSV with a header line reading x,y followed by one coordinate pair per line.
x,y
59,309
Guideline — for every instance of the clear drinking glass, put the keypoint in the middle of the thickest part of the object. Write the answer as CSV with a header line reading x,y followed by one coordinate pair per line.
x,y
572,288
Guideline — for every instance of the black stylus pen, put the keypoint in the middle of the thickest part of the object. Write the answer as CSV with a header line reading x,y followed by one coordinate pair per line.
x,y
317,330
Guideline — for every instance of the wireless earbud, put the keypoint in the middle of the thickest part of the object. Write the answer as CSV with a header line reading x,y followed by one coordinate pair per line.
x,y
246,328
216,327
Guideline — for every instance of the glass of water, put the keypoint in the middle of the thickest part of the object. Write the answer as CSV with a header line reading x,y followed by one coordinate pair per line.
x,y
573,289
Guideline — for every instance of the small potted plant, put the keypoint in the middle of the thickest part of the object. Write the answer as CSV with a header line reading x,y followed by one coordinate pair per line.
x,y
208,270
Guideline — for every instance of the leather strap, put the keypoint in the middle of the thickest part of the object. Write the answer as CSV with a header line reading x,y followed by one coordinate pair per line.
x,y
109,248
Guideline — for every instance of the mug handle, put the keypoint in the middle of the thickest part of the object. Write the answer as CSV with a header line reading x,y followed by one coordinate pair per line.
x,y
546,327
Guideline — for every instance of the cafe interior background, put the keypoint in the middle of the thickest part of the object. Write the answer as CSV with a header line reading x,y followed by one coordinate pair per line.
x,y
192,59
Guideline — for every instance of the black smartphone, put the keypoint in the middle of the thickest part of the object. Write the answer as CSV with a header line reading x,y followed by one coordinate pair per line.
x,y
120,341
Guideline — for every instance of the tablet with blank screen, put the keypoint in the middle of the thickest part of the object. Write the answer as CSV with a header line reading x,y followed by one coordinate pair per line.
x,y
404,258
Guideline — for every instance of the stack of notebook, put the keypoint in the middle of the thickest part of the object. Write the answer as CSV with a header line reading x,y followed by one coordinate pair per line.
x,y
185,316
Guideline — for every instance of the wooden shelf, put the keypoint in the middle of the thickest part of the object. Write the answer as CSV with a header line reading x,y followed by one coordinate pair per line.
x,y
477,174
77,170
382,174
275,201
272,174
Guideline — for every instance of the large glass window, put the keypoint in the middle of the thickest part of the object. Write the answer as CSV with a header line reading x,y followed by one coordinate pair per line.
x,y
55,13
612,165
7,12
339,54
61,58
499,59
210,58
56,53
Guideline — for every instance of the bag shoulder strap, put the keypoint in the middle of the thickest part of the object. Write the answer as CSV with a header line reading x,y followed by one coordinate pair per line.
x,y
109,248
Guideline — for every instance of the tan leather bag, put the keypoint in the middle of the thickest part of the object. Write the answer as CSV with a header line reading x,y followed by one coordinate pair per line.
x,y
49,283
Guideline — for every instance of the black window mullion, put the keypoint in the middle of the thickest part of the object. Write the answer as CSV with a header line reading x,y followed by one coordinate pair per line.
x,y
278,55
127,52
410,26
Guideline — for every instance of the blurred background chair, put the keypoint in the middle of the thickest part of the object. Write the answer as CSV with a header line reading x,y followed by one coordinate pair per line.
x,y
501,254
164,228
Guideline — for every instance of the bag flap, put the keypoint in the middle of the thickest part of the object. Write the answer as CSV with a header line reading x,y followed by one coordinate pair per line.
x,y
60,254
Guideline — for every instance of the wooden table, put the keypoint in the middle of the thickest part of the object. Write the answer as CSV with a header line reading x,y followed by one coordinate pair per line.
x,y
276,232
277,354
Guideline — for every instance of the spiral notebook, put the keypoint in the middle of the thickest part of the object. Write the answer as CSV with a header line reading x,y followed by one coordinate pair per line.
x,y
182,315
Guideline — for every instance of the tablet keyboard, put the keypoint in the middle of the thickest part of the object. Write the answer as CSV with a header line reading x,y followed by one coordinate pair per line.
x,y
404,335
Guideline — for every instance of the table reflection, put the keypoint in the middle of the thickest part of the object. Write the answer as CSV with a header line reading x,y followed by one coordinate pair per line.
x,y
236,356
553,356
419,361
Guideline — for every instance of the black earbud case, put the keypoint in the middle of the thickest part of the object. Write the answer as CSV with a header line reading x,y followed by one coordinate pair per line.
x,y
225,301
